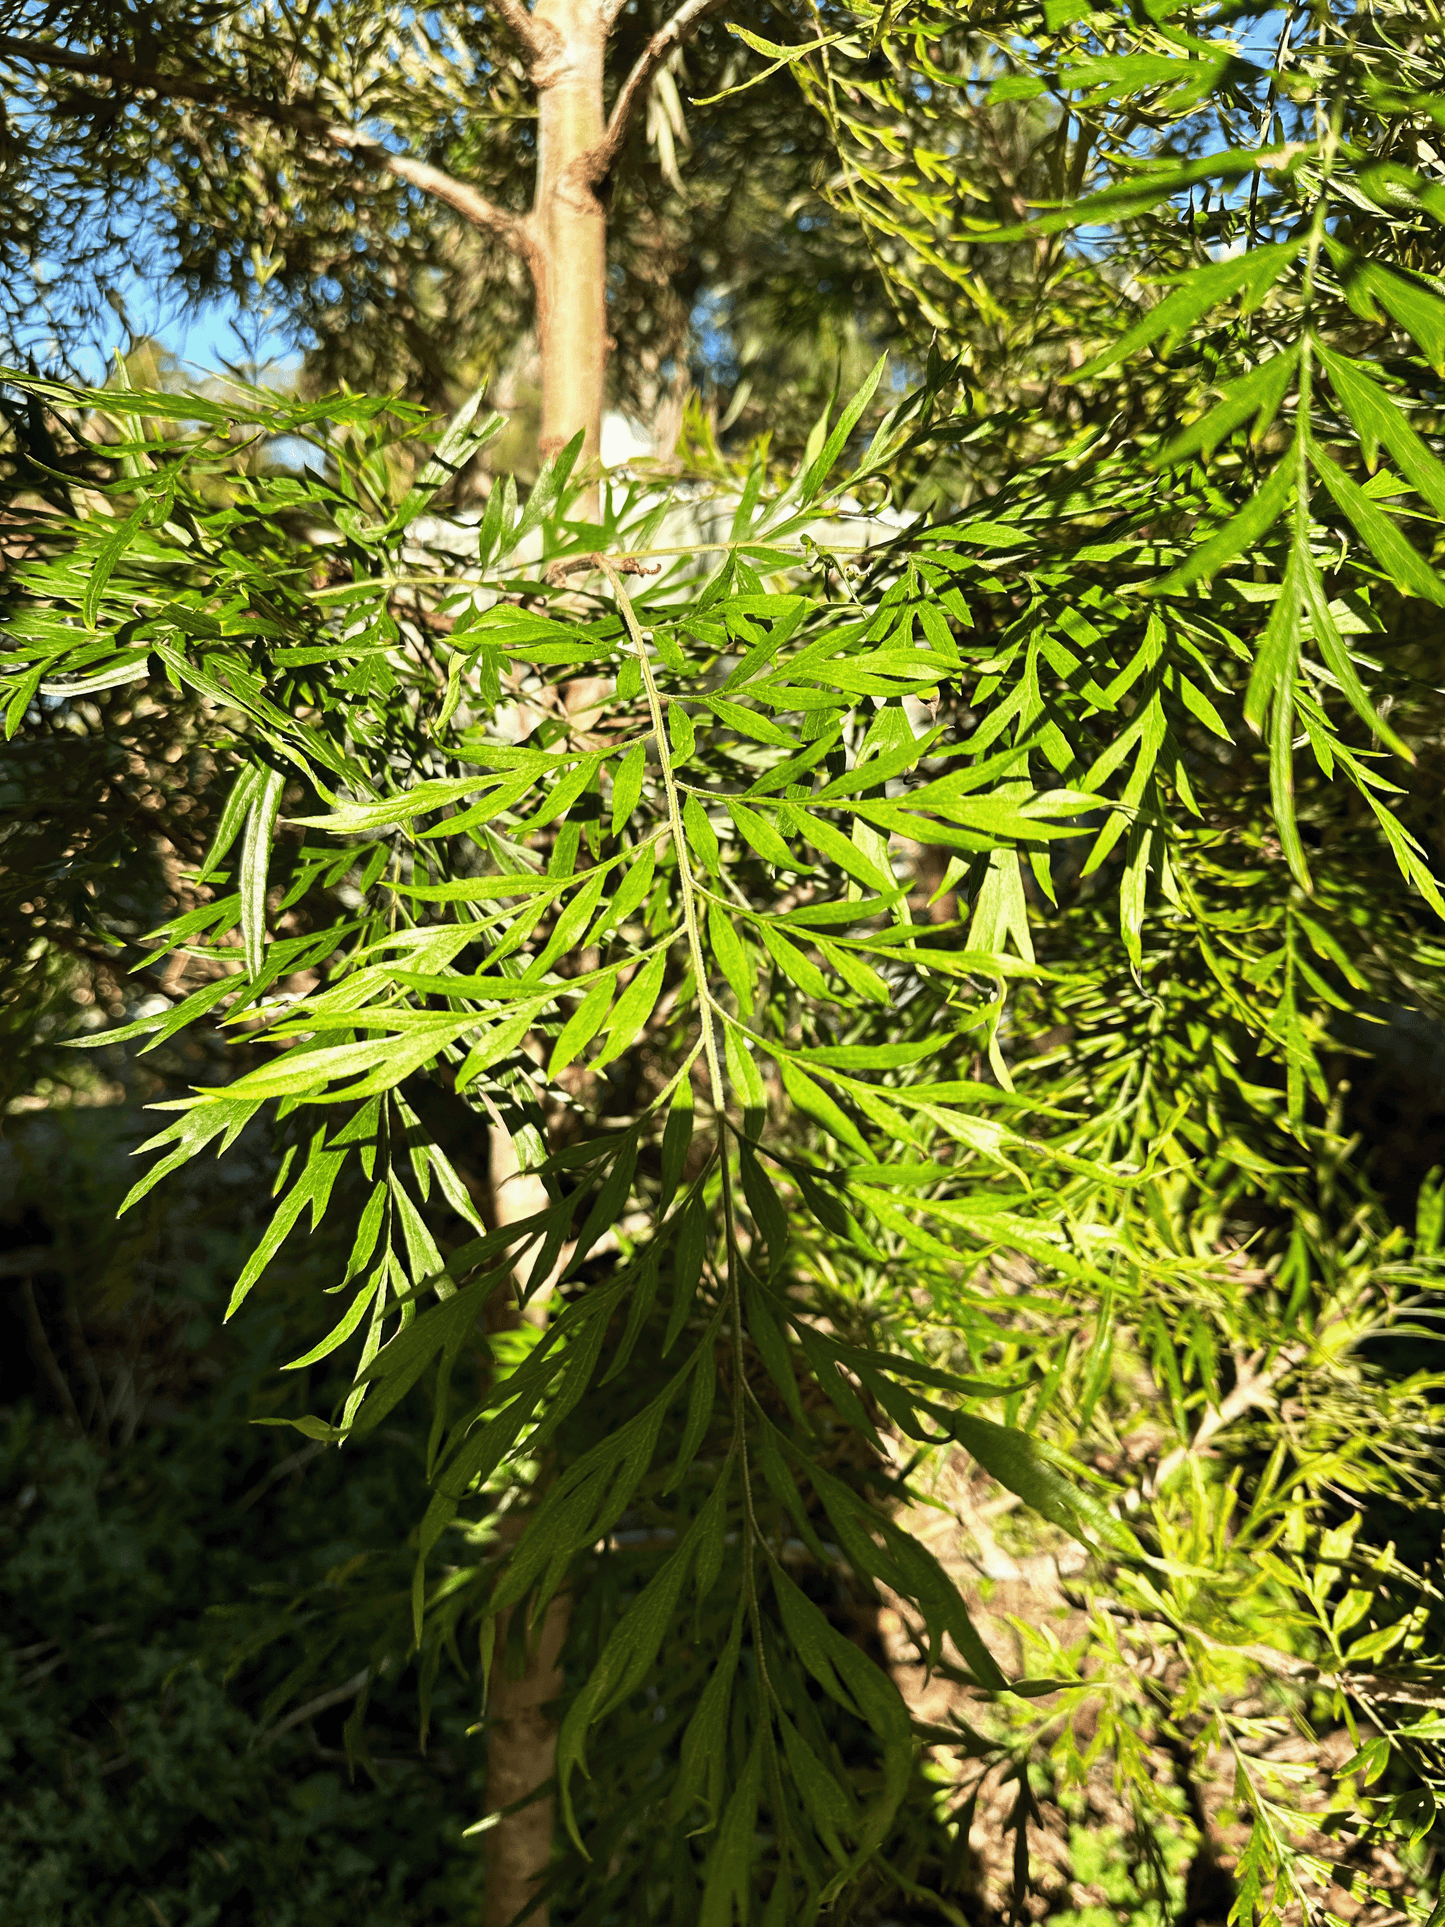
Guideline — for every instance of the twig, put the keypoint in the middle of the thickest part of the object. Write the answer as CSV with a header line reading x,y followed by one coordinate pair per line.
x,y
596,163
29,1259
557,572
1304,1672
75,1331
291,1464
321,1704
301,117
455,194
1253,1388
46,1357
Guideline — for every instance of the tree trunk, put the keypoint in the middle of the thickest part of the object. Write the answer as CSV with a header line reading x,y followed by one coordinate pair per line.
x,y
521,1756
522,1735
569,228
568,259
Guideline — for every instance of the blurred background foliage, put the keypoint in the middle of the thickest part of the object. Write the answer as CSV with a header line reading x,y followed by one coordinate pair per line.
x,y
148,1528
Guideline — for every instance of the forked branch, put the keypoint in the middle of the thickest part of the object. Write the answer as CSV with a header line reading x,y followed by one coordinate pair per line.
x,y
1254,1388
539,38
679,29
444,187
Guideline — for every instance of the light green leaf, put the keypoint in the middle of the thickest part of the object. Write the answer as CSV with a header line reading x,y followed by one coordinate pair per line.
x,y
1337,657
546,491
164,1024
727,947
634,1007
1402,563
749,723
630,895
255,866
107,554
1040,1476
461,442
701,835
584,1023
816,1102
313,1188
1257,394
360,1304
1380,423
794,965
225,1116
760,834
308,1427
627,786
233,814
1410,299
831,843
490,1048
132,669
820,467
676,1140
1202,288
353,818
1240,533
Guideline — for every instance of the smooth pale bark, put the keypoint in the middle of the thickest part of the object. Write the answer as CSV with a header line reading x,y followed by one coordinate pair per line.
x,y
568,228
522,1729
521,1756
567,254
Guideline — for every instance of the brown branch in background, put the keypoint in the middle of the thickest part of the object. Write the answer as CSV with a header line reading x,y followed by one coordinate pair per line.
x,y
1254,1387
521,1718
539,38
299,117
521,1722
45,1357
654,55
292,1464
466,201
521,1759
1303,1672
322,1703
80,1350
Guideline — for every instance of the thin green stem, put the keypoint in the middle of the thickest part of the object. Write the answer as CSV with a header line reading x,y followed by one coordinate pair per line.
x,y
679,839
705,1005
463,578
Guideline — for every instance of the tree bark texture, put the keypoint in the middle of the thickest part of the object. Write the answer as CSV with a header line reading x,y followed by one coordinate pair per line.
x,y
567,255
568,261
521,1756
569,227
522,1727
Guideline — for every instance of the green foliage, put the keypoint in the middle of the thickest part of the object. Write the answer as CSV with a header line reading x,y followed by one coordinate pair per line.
x,y
916,976
142,1772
